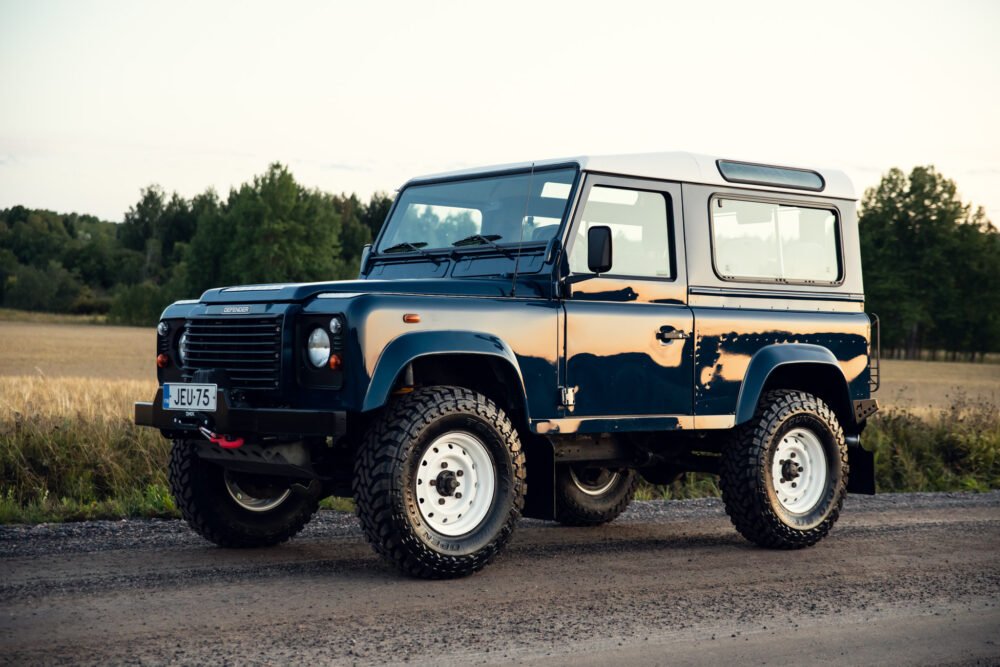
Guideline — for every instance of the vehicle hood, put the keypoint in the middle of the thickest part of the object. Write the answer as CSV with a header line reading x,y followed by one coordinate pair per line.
x,y
298,292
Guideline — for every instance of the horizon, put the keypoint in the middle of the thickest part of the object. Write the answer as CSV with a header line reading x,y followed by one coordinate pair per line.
x,y
105,98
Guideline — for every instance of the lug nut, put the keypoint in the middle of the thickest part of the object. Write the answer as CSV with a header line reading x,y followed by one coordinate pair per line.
x,y
459,473
458,495
444,464
792,455
794,485
433,482
440,501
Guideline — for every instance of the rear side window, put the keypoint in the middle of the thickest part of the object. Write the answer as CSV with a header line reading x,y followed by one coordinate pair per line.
x,y
765,241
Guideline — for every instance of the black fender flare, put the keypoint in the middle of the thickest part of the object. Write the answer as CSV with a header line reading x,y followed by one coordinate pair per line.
x,y
771,357
406,348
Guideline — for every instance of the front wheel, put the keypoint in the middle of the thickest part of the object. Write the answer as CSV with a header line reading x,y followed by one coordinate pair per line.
x,y
784,473
588,495
439,482
235,509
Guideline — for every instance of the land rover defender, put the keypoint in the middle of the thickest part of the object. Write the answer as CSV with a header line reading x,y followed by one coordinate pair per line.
x,y
531,340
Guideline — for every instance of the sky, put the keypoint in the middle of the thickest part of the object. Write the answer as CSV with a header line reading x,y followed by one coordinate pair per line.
x,y
101,98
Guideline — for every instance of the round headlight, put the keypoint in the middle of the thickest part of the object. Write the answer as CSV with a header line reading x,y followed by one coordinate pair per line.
x,y
335,326
182,349
163,328
318,348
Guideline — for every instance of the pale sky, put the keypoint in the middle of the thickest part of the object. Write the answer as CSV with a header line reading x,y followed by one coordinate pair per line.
x,y
100,98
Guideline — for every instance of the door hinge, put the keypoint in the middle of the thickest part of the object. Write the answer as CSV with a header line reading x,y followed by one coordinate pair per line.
x,y
567,396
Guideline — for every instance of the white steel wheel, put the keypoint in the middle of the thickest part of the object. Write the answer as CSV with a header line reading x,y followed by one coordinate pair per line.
x,y
799,471
594,481
455,483
253,503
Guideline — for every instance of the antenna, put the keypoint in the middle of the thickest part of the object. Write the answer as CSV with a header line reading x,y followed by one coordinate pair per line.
x,y
520,239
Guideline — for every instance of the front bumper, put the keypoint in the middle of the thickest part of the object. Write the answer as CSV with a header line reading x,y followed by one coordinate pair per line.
x,y
241,421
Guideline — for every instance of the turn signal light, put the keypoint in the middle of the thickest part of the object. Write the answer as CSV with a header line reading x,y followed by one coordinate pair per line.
x,y
162,361
335,362
411,318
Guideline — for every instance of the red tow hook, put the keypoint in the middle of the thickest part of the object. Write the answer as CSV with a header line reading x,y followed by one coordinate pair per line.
x,y
223,441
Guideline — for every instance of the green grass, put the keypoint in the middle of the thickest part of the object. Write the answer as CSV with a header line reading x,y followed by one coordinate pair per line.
x,y
690,485
954,450
957,449
69,451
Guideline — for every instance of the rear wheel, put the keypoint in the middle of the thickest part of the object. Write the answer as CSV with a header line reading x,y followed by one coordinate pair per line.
x,y
784,474
439,482
235,509
589,495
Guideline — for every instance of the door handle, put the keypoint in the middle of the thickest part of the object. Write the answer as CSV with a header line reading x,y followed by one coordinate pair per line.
x,y
667,334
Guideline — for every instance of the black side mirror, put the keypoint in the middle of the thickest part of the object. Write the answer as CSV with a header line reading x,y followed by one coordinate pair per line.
x,y
599,249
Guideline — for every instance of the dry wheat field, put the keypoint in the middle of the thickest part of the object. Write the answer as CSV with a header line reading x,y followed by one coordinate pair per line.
x,y
69,449
62,355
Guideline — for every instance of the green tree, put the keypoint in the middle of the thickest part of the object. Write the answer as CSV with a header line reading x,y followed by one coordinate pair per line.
x,y
926,262
354,233
51,289
375,212
270,230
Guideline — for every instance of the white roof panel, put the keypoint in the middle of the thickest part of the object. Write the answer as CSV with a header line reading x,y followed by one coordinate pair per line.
x,y
671,166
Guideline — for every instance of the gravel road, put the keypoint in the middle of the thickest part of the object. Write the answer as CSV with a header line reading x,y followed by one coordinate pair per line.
x,y
903,579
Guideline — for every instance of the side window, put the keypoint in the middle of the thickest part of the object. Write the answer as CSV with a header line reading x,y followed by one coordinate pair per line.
x,y
766,241
639,229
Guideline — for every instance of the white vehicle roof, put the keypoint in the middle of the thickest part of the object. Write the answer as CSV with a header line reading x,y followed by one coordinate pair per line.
x,y
669,166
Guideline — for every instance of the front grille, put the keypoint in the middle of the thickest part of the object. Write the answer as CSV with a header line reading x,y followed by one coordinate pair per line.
x,y
248,349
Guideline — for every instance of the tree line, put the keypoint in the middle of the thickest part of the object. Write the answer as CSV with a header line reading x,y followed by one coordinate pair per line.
x,y
931,262
931,268
169,247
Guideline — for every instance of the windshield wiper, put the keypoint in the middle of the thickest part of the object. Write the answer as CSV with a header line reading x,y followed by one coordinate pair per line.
x,y
479,239
406,246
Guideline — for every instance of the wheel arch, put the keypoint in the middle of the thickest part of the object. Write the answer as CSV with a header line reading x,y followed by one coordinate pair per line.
x,y
478,361
806,367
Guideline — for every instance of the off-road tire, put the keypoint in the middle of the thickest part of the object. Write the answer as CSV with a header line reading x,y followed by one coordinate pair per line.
x,y
386,466
576,508
200,494
747,484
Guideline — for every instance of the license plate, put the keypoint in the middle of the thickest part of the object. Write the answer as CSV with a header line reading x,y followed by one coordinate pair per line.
x,y
199,397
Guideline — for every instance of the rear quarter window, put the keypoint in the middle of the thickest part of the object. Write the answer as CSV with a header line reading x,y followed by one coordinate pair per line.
x,y
775,242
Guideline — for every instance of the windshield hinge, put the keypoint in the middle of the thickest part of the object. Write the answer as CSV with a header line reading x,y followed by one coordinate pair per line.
x,y
567,396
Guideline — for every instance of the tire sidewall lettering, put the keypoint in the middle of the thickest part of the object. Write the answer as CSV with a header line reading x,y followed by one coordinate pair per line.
x,y
497,516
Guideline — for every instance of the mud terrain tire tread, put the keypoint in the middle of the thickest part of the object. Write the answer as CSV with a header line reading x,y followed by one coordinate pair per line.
x,y
199,504
379,472
743,470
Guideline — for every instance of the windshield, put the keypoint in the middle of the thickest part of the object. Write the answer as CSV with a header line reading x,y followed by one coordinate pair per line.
x,y
487,211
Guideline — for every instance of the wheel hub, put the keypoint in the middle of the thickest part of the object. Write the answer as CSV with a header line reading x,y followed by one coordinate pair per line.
x,y
446,483
455,483
789,469
799,472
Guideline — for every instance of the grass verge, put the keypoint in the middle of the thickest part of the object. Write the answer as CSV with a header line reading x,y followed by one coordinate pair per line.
x,y
69,451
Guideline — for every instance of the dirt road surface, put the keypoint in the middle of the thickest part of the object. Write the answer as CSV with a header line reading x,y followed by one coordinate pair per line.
x,y
902,580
